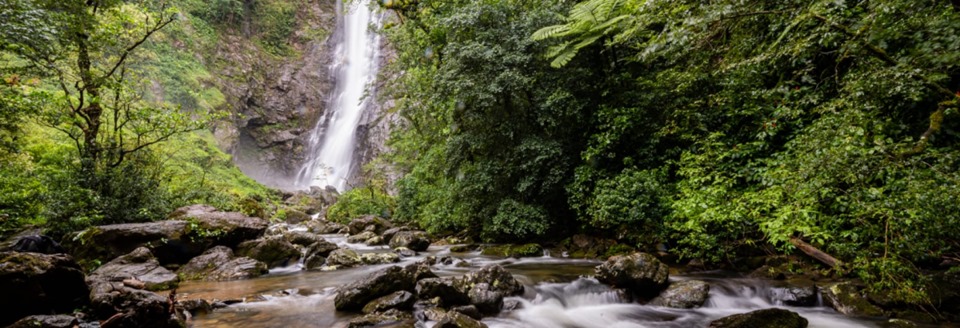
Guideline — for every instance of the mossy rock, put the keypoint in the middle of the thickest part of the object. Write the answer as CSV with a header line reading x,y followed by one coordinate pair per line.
x,y
510,250
847,299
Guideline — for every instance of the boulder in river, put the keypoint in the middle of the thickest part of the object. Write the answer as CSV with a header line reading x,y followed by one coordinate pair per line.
x,y
379,258
400,300
189,232
382,319
47,321
454,319
361,237
220,264
302,238
322,226
444,289
371,223
119,306
484,289
344,257
35,283
141,265
686,294
508,250
767,318
846,298
797,292
414,240
274,251
354,296
639,273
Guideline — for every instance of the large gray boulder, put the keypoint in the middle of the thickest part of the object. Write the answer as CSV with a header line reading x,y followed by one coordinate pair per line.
x,y
140,265
275,251
639,273
354,296
220,264
767,318
188,232
414,240
34,283
484,288
685,294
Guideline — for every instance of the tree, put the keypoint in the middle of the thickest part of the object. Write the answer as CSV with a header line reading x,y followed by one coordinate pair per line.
x,y
87,48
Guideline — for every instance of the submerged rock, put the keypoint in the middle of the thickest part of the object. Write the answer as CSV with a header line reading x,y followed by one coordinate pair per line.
x,y
686,294
639,273
847,299
526,250
274,251
140,265
220,264
767,318
414,240
34,283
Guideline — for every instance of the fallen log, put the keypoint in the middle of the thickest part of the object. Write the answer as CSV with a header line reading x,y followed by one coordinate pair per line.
x,y
816,253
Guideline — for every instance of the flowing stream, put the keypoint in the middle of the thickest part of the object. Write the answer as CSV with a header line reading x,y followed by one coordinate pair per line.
x,y
330,160
559,294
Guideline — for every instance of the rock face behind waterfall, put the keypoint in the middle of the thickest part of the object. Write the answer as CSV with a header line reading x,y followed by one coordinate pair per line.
x,y
639,273
34,283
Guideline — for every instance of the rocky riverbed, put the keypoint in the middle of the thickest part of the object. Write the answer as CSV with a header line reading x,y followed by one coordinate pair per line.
x,y
206,268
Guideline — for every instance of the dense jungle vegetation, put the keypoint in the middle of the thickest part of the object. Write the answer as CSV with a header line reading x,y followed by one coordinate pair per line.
x,y
717,128
104,109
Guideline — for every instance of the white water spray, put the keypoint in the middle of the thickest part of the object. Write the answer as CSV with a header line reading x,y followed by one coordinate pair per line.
x,y
333,141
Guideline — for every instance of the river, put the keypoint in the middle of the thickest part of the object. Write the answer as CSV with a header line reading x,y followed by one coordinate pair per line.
x,y
559,293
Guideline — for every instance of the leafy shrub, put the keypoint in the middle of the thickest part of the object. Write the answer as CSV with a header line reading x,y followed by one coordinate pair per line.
x,y
358,202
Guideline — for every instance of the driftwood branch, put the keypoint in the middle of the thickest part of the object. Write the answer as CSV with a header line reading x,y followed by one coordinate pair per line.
x,y
816,253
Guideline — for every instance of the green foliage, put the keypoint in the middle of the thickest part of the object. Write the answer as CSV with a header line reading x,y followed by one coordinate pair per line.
x,y
359,202
718,128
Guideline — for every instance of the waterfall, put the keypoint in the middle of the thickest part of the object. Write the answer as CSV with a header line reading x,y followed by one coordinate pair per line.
x,y
330,156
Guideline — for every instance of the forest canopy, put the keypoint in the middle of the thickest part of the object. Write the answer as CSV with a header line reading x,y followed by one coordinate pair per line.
x,y
714,128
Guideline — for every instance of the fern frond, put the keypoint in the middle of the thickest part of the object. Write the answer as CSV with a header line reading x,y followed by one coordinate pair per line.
x,y
550,31
563,58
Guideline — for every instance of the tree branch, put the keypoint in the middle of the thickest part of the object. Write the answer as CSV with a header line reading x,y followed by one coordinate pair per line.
x,y
161,23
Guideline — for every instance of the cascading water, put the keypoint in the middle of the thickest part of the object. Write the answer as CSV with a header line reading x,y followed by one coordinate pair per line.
x,y
333,141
